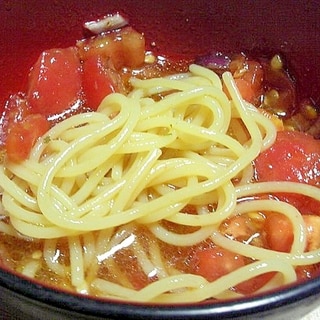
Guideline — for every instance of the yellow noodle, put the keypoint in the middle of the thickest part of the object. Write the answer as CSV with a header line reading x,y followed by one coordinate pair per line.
x,y
77,265
51,257
89,250
295,259
292,213
213,289
31,268
145,262
278,186
95,178
195,287
157,260
187,239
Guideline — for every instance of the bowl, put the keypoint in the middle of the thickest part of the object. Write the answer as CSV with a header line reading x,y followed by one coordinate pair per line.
x,y
182,27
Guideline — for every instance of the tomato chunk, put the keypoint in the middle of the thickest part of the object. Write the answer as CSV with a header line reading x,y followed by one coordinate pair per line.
x,y
245,90
23,135
247,228
308,272
252,285
213,263
133,45
54,82
97,82
248,75
121,48
15,110
279,232
295,156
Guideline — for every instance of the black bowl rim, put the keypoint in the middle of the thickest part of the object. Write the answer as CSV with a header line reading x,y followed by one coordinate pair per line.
x,y
90,306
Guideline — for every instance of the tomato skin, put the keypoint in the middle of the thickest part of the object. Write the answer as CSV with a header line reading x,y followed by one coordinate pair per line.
x,y
96,81
245,228
254,75
213,263
245,90
15,110
308,272
295,156
248,75
54,82
252,285
23,135
279,232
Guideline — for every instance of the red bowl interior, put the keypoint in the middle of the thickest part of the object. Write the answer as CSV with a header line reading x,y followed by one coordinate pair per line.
x,y
190,27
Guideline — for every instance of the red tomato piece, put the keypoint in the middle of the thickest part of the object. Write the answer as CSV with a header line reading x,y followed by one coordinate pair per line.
x,y
295,156
245,90
308,272
279,232
96,81
213,263
54,83
304,204
245,229
249,76
15,110
23,135
254,75
254,284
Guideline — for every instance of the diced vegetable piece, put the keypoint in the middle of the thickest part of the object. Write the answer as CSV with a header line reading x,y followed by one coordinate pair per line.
x,y
213,263
295,156
96,81
249,76
55,81
15,110
122,48
23,135
107,23
279,232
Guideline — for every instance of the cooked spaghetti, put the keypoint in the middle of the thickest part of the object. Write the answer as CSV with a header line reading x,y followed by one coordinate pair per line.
x,y
118,178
